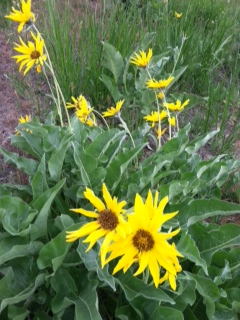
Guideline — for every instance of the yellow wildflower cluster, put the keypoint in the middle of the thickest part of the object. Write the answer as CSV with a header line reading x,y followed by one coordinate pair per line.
x,y
31,53
164,109
135,237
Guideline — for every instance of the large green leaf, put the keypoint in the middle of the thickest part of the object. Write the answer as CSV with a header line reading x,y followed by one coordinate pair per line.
x,y
208,290
55,163
54,252
166,313
101,143
15,247
112,60
112,87
16,216
86,164
213,238
187,247
43,204
134,287
84,298
197,210
39,181
22,295
24,164
118,166
92,263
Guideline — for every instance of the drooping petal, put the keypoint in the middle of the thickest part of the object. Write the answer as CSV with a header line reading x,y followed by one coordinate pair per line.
x,y
86,213
95,201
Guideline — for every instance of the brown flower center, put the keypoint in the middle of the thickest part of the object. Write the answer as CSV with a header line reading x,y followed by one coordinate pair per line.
x,y
143,240
108,220
35,55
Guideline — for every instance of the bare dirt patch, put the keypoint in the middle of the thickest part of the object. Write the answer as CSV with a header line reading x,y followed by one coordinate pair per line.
x,y
11,105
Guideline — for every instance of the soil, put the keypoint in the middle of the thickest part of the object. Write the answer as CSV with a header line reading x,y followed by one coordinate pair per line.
x,y
12,107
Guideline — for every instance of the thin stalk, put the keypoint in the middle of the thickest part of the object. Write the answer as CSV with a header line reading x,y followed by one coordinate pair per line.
x,y
99,114
158,110
124,125
58,89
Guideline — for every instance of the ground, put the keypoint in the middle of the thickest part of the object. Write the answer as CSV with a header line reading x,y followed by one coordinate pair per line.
x,y
11,105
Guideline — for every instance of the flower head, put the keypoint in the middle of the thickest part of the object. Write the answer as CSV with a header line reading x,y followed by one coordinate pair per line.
x,y
155,117
178,106
160,133
146,244
24,120
109,220
142,59
31,53
172,121
25,16
113,111
83,110
177,15
161,84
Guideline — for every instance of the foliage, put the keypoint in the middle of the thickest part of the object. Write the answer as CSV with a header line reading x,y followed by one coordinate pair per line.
x,y
42,276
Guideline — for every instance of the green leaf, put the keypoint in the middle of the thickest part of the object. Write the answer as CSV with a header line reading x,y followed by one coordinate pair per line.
x,y
39,181
166,313
194,145
43,204
134,287
55,163
16,215
119,165
15,247
185,295
15,313
54,252
86,164
24,294
112,87
179,142
213,238
112,60
67,293
198,210
101,143
24,164
208,290
188,248
92,263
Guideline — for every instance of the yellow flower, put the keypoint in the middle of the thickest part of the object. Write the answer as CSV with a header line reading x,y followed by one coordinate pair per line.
x,y
113,111
24,120
77,103
31,53
109,220
23,17
161,84
177,15
178,106
161,95
146,244
83,110
155,117
160,133
143,59
172,122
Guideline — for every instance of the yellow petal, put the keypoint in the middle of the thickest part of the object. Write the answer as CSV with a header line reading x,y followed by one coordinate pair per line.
x,y
86,213
143,262
95,201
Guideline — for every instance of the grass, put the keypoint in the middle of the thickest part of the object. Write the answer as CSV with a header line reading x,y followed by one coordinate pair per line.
x,y
211,51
